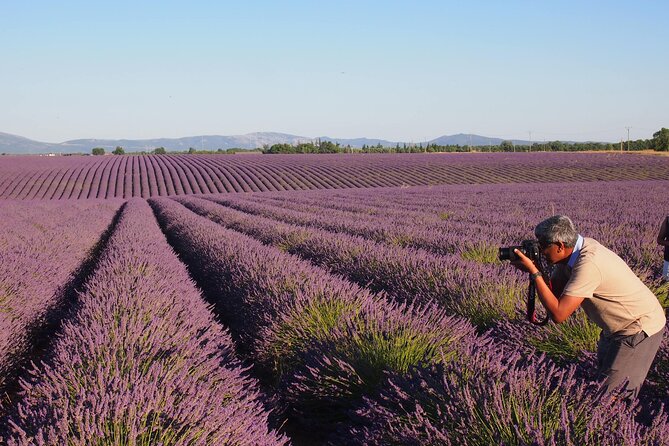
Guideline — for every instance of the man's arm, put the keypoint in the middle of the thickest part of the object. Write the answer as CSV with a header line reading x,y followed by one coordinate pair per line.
x,y
558,309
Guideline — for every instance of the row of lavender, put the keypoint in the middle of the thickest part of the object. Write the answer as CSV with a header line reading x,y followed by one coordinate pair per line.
x,y
474,220
139,359
368,370
78,177
42,247
406,274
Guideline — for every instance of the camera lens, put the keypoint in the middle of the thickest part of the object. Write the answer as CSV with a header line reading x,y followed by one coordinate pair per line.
x,y
505,253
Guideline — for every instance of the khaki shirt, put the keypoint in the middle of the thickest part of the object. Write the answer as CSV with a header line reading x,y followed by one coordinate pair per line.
x,y
615,298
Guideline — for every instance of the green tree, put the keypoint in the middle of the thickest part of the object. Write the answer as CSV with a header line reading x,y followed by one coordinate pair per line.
x,y
159,151
328,147
660,141
191,150
305,147
98,151
506,146
119,151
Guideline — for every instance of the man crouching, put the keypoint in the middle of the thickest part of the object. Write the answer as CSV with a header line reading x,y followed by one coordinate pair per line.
x,y
588,275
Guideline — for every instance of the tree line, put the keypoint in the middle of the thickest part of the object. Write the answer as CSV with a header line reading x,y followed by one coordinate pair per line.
x,y
659,142
162,151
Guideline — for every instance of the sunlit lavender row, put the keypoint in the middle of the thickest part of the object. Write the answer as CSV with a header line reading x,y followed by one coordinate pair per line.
x,y
42,249
85,177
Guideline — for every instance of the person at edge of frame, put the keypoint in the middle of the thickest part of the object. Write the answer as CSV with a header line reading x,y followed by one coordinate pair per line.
x,y
663,240
588,275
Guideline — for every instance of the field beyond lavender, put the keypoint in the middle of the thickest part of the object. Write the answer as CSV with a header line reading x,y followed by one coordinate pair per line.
x,y
337,302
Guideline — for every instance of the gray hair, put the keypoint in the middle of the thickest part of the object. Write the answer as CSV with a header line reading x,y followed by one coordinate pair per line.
x,y
558,228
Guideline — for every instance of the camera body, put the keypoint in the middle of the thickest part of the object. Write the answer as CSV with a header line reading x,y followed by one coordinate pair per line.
x,y
528,247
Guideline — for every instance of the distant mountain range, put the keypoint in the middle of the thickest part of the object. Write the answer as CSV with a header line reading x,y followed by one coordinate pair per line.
x,y
12,144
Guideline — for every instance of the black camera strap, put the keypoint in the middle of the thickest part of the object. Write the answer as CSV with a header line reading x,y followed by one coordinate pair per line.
x,y
531,305
532,296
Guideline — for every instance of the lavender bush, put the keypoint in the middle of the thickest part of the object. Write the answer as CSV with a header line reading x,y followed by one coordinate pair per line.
x,y
574,340
486,396
351,364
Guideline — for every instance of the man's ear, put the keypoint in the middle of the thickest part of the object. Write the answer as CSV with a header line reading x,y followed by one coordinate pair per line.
x,y
560,246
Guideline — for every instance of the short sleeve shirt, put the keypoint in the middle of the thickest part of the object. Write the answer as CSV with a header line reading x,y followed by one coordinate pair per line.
x,y
615,298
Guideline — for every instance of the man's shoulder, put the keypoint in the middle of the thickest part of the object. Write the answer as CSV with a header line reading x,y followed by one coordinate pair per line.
x,y
590,257
590,245
592,250
594,254
589,249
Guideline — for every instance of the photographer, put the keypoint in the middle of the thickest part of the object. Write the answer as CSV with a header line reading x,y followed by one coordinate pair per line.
x,y
588,275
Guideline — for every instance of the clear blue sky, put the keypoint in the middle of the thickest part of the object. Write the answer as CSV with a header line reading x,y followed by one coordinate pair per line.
x,y
402,71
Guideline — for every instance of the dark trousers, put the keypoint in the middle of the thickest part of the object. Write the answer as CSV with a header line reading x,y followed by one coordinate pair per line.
x,y
629,358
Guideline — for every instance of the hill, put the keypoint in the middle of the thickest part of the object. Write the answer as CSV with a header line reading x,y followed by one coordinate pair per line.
x,y
18,145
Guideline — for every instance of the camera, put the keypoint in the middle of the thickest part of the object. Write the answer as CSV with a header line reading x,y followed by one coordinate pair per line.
x,y
528,247
532,251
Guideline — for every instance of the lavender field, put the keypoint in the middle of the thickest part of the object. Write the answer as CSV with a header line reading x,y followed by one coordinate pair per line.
x,y
335,302
145,176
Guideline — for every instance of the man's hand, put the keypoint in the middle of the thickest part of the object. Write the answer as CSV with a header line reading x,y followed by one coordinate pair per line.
x,y
524,263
